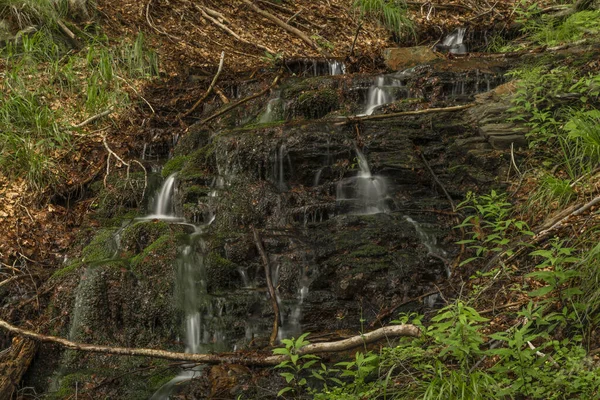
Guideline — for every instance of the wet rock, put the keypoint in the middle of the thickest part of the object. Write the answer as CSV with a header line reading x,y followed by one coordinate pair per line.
x,y
398,59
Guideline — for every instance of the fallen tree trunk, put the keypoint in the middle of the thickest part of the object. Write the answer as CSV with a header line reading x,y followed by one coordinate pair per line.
x,y
14,362
257,359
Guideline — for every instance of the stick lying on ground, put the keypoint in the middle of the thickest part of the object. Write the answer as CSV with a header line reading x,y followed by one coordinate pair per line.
x,y
257,359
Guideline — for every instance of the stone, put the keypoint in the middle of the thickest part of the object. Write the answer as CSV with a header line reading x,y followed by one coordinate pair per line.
x,y
400,58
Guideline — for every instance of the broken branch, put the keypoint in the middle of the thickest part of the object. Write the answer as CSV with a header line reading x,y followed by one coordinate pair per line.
x,y
387,332
210,88
403,113
281,24
232,106
263,255
226,29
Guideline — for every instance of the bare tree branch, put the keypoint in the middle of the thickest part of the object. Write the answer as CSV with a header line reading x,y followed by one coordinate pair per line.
x,y
257,359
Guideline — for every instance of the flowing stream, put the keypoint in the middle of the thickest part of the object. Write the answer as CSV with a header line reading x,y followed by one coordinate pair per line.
x,y
202,328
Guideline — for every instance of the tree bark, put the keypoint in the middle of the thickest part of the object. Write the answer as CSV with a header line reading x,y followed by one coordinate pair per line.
x,y
14,362
256,359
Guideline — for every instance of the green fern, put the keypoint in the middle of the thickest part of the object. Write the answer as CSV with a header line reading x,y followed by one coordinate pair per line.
x,y
392,14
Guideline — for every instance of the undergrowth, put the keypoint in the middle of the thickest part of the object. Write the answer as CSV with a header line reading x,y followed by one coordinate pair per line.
x,y
48,87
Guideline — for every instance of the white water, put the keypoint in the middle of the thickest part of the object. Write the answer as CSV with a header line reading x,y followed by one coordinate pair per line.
x,y
163,203
337,68
202,313
454,41
364,193
383,91
280,160
430,242
273,111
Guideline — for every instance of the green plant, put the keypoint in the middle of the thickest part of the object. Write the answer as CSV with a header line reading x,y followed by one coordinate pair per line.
x,y
392,14
296,366
490,227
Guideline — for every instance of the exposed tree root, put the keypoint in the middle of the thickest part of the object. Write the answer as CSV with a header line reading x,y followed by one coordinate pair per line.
x,y
256,359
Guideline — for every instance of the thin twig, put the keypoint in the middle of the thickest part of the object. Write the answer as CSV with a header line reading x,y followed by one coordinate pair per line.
x,y
435,178
232,106
136,92
267,265
93,118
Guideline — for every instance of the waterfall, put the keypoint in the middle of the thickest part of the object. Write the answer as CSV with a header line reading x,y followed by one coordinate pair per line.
x,y
364,193
337,68
280,159
430,242
273,111
454,42
383,91
163,203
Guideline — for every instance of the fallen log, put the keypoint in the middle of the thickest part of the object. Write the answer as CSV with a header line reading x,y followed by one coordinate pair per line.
x,y
14,362
256,359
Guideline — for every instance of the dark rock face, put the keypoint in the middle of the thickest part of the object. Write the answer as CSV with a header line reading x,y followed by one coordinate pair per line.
x,y
350,215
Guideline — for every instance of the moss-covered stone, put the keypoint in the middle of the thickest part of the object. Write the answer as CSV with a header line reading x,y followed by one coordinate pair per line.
x,y
138,235
222,274
175,164
121,194
199,165
101,247
369,250
316,104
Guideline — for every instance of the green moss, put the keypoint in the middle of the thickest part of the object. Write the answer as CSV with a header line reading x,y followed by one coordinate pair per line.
x,y
317,103
369,250
156,247
101,247
198,165
222,274
175,164
140,234
194,192
66,270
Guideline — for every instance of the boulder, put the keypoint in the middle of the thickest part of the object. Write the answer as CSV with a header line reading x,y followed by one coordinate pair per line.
x,y
406,57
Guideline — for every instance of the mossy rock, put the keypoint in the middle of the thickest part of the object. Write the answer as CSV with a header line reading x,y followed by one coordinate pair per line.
x,y
316,104
199,165
102,246
222,274
196,138
120,195
369,250
175,164
137,236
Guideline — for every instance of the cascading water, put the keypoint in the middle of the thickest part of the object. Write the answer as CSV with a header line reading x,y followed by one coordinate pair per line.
x,y
454,42
279,161
337,68
430,242
273,111
202,327
163,203
365,193
383,91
